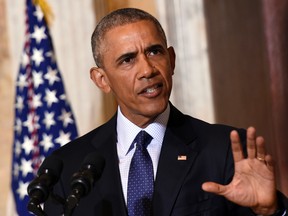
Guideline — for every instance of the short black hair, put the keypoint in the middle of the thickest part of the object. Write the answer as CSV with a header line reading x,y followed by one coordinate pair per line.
x,y
118,18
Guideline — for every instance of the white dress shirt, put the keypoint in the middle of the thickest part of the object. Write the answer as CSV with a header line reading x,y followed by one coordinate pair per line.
x,y
126,133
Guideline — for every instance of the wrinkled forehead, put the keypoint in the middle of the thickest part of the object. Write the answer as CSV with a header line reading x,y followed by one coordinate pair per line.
x,y
135,30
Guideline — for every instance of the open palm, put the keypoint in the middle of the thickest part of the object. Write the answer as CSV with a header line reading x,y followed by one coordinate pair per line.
x,y
253,184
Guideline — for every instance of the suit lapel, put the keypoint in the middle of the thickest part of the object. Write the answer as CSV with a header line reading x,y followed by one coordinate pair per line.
x,y
176,159
109,184
179,151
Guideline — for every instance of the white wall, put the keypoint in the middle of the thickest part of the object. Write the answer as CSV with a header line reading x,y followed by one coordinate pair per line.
x,y
184,23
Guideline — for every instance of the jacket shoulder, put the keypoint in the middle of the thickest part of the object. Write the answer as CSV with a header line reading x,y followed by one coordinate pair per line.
x,y
85,142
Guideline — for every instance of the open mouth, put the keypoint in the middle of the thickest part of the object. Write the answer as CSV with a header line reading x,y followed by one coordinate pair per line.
x,y
152,89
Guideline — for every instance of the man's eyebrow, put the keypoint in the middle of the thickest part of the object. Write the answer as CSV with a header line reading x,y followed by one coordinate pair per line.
x,y
154,47
126,55
133,54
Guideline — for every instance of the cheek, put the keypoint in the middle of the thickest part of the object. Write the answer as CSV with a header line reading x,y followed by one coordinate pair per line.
x,y
123,85
167,71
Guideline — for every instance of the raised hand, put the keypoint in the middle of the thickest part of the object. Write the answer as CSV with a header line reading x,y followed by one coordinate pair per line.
x,y
253,184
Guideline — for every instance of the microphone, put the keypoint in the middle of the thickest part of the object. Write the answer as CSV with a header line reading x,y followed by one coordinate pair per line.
x,y
47,176
83,181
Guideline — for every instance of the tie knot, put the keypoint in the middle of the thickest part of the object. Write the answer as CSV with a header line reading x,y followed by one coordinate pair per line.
x,y
143,139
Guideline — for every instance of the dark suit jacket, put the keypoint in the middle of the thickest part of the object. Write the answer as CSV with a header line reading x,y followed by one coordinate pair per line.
x,y
178,182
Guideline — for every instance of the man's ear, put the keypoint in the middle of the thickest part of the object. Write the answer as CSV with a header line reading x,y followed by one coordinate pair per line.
x,y
172,57
100,79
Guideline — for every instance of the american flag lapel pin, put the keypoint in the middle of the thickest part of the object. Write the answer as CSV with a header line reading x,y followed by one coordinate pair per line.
x,y
182,158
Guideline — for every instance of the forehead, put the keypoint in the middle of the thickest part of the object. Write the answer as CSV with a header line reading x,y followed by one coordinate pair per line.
x,y
131,32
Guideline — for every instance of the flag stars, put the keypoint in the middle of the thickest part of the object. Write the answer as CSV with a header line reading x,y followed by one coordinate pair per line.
x,y
51,97
65,117
26,167
50,55
22,189
19,103
24,60
63,97
51,76
49,119
39,34
17,148
16,170
37,78
31,123
18,126
47,142
36,101
63,138
27,145
22,81
38,13
39,104
37,56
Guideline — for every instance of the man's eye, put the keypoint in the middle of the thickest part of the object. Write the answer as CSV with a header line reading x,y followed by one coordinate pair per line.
x,y
127,60
154,52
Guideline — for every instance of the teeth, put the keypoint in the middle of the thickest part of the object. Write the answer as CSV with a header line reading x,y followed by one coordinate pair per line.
x,y
150,90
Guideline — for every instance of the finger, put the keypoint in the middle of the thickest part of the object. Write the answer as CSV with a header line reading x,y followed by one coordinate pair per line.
x,y
270,163
213,187
260,146
236,146
251,142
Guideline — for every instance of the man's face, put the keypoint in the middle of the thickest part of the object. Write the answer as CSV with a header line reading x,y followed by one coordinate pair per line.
x,y
138,69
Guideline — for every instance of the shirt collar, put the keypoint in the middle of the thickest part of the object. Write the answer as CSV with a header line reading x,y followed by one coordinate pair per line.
x,y
127,131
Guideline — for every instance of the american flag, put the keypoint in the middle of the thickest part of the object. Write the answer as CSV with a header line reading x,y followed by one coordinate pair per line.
x,y
43,118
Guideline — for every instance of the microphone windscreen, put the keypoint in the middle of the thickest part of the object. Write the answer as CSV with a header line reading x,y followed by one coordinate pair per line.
x,y
48,175
83,181
95,161
52,163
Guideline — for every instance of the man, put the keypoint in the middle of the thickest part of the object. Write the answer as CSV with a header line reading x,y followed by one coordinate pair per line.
x,y
198,168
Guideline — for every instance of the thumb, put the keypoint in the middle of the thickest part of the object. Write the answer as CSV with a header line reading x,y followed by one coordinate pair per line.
x,y
213,187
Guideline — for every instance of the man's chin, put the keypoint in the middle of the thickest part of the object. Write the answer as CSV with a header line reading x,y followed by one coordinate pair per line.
x,y
153,110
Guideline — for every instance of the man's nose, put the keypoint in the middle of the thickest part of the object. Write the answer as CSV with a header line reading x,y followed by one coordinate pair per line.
x,y
147,68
